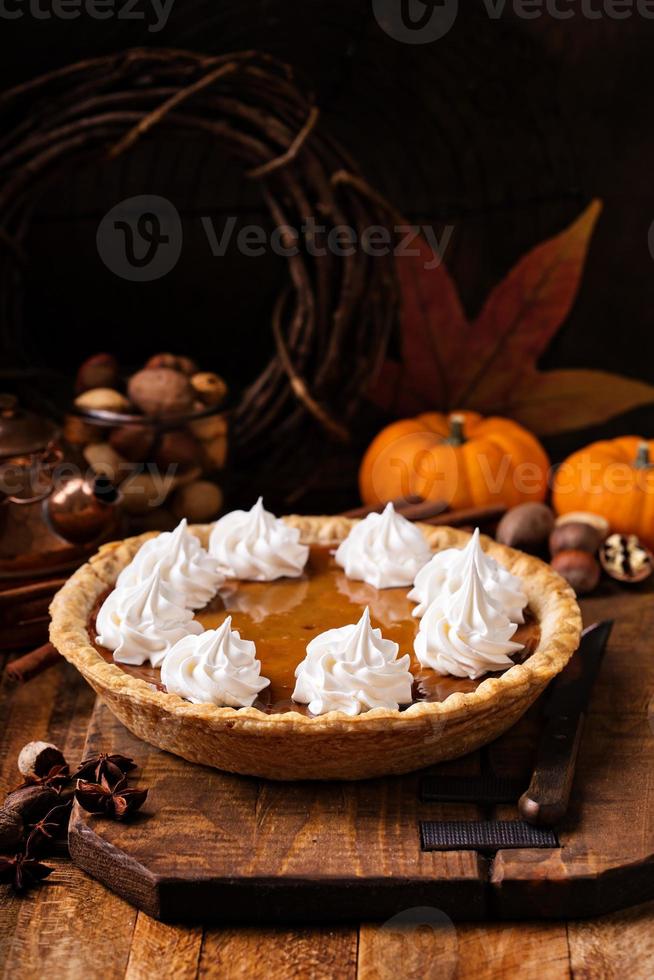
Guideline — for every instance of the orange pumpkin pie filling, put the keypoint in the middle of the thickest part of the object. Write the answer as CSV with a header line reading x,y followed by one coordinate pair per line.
x,y
282,616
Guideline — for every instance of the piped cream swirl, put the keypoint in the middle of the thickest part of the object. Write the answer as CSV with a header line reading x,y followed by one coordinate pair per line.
x,y
255,545
352,669
384,550
217,667
445,572
463,633
186,568
141,622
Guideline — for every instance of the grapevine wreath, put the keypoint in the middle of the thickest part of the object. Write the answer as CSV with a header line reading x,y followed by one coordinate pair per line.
x,y
332,320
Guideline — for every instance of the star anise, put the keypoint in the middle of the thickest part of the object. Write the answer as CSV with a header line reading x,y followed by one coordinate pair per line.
x,y
112,766
118,801
55,779
48,828
23,871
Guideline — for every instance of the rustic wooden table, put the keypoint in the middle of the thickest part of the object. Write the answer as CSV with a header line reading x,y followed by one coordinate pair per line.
x,y
72,927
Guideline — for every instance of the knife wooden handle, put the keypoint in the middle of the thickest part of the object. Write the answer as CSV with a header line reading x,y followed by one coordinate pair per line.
x,y
546,800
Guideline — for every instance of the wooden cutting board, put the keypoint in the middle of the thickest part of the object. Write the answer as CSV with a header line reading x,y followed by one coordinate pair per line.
x,y
211,846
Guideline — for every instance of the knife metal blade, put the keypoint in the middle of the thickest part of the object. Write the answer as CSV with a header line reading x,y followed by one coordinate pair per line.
x,y
546,800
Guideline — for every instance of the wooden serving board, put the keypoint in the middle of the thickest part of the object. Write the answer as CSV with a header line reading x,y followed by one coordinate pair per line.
x,y
211,846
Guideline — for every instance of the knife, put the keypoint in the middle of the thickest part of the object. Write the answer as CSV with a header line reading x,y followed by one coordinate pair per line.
x,y
546,799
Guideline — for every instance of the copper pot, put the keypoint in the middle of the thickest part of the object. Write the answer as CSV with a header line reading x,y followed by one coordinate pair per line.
x,y
51,513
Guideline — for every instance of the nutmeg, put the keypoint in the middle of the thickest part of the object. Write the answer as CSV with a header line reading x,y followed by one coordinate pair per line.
x,y
198,501
102,399
579,568
134,442
176,362
38,758
209,387
161,391
98,371
526,526
177,448
575,536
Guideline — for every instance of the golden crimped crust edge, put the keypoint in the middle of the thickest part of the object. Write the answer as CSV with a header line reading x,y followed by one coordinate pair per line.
x,y
550,598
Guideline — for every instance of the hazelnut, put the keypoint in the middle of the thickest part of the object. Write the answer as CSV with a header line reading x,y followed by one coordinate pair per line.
x,y
209,387
134,442
585,517
624,558
177,448
176,362
102,399
526,526
575,536
579,568
38,758
161,391
105,461
98,371
208,427
199,501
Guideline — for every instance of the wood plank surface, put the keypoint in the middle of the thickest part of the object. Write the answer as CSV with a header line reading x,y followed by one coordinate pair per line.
x,y
325,953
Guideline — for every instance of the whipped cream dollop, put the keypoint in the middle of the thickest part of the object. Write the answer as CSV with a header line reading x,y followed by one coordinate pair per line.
x,y
445,572
216,667
463,633
256,545
352,669
384,550
191,574
141,622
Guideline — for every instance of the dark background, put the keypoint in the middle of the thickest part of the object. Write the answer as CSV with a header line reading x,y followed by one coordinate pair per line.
x,y
504,128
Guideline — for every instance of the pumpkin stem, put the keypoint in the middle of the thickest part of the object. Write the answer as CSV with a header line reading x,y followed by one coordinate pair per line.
x,y
456,436
643,461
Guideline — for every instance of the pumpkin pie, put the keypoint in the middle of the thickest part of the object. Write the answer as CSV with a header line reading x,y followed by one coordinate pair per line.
x,y
322,590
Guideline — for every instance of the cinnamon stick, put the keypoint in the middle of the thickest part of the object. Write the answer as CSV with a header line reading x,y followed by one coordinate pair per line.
x,y
400,504
31,664
472,516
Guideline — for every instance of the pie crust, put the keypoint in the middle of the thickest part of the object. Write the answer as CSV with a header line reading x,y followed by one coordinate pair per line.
x,y
293,746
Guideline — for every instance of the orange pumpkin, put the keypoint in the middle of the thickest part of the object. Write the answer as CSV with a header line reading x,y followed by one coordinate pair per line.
x,y
613,478
462,458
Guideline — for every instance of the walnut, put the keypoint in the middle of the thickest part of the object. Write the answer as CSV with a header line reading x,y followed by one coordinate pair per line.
x,y
624,558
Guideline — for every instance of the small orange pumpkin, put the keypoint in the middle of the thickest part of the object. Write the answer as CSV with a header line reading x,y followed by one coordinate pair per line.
x,y
462,458
613,478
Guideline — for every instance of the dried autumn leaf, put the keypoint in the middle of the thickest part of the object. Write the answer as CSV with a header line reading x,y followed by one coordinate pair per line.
x,y
434,330
547,402
522,314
